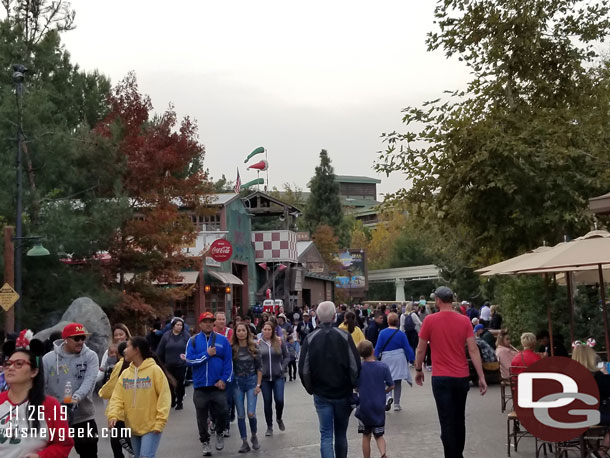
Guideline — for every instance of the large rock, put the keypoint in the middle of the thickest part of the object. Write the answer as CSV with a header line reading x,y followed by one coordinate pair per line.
x,y
84,310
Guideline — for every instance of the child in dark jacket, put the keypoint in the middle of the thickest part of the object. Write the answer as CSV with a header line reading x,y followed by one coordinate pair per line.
x,y
374,382
292,364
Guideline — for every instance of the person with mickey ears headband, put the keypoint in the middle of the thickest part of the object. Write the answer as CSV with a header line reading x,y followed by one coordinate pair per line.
x,y
72,361
21,432
211,357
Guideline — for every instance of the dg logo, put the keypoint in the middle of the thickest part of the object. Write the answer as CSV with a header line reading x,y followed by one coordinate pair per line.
x,y
557,399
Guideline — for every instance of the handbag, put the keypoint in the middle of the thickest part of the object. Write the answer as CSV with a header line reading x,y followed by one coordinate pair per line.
x,y
385,345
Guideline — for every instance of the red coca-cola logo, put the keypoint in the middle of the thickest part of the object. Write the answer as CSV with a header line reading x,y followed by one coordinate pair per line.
x,y
221,250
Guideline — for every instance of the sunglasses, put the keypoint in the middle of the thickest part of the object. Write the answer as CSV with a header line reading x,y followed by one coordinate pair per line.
x,y
79,338
18,363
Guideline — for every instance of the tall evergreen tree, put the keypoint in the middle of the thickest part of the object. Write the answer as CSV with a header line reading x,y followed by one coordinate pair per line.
x,y
324,206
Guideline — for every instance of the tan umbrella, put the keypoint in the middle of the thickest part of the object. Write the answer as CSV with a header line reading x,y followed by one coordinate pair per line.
x,y
591,251
582,277
582,254
507,267
528,259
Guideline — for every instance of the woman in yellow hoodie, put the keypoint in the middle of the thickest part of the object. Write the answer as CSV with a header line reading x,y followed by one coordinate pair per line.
x,y
121,442
142,398
350,326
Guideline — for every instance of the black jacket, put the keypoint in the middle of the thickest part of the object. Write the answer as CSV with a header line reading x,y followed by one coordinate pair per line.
x,y
329,365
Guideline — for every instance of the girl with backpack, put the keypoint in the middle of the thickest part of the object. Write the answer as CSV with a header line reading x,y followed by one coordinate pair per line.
x,y
410,325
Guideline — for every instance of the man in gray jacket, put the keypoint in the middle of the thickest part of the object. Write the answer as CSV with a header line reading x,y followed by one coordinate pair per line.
x,y
329,367
72,361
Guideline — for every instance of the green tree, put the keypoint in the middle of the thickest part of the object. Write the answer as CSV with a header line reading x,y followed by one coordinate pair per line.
x,y
60,105
323,205
326,242
510,162
289,194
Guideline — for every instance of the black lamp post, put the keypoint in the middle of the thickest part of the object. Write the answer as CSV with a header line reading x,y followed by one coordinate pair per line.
x,y
18,78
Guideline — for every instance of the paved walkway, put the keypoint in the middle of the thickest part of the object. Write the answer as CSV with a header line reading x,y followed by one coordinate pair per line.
x,y
413,432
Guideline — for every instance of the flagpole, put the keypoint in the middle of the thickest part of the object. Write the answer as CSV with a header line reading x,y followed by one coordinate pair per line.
x,y
267,184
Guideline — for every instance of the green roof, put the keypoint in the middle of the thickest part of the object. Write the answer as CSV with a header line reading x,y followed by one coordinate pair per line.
x,y
353,202
355,179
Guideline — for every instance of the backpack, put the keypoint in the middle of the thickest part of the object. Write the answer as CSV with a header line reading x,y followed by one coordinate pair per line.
x,y
409,323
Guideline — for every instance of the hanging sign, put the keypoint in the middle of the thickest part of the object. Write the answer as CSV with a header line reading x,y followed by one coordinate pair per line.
x,y
8,297
221,250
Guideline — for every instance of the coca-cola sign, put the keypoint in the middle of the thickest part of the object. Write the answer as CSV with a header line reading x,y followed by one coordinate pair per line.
x,y
221,250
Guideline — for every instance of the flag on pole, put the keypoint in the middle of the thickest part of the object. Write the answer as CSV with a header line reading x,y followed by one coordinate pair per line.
x,y
237,183
258,150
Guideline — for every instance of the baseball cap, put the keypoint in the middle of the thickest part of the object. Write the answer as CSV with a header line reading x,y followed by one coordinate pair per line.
x,y
478,327
444,294
74,329
465,302
206,316
281,315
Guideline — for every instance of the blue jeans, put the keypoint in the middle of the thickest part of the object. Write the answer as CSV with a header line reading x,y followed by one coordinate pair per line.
x,y
230,388
333,415
450,396
275,388
244,388
146,445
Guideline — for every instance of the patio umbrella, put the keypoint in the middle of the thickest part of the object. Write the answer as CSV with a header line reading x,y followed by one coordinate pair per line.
x,y
582,277
507,267
528,259
582,254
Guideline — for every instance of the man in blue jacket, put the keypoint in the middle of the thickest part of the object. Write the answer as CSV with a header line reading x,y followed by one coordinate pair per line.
x,y
211,357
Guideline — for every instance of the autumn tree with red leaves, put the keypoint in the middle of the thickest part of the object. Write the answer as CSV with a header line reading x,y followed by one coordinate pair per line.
x,y
162,175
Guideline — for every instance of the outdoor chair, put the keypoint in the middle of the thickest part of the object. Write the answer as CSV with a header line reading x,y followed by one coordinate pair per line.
x,y
514,430
590,440
506,394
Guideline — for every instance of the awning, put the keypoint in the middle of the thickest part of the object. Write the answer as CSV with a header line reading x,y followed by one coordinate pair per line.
x,y
226,277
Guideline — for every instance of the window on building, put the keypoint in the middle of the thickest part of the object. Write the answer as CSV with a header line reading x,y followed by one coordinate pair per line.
x,y
206,222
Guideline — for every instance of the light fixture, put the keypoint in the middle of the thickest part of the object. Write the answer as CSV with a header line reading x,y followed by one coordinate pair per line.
x,y
228,289
206,289
38,250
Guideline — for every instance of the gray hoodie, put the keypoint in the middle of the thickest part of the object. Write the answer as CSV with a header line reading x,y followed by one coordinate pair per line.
x,y
80,369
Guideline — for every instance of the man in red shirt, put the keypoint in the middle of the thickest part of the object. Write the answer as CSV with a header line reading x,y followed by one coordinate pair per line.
x,y
448,332
220,325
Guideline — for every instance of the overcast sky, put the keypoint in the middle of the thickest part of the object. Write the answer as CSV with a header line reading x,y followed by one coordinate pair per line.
x,y
294,77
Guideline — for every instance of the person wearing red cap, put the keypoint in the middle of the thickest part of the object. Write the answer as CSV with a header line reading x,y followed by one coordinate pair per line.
x,y
72,361
211,357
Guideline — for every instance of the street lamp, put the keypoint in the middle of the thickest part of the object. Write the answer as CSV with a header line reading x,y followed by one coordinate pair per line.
x,y
19,72
10,249
18,77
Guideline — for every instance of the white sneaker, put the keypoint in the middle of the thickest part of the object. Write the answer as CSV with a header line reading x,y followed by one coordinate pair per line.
x,y
397,407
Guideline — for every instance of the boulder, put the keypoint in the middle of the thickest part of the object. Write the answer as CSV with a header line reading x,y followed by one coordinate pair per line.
x,y
84,310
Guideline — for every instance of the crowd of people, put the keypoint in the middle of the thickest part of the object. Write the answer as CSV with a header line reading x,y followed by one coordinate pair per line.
x,y
348,358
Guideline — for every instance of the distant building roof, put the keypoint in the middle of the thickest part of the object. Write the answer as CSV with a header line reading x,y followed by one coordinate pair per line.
x,y
355,179
302,247
222,199
600,205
